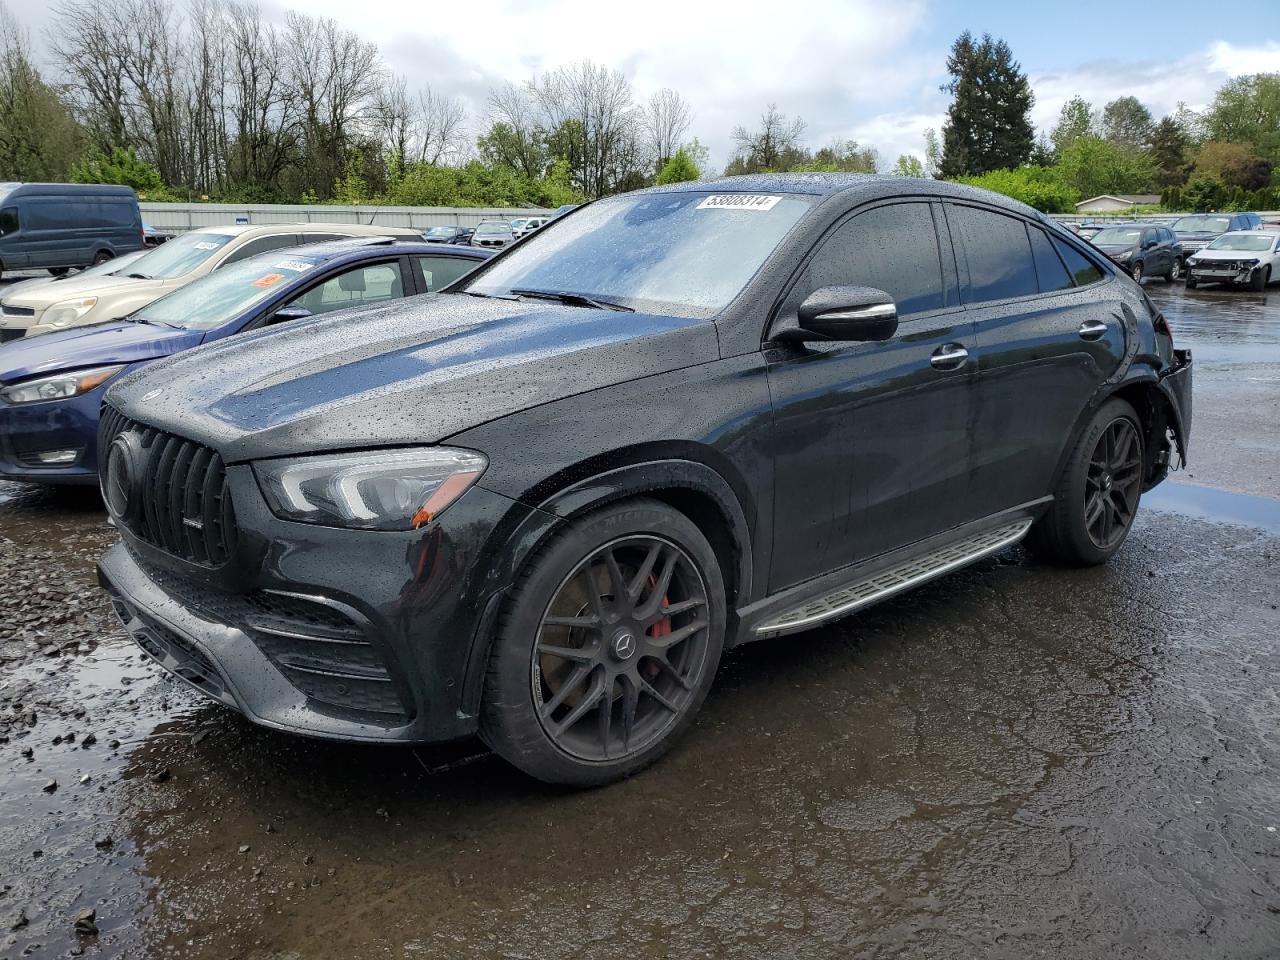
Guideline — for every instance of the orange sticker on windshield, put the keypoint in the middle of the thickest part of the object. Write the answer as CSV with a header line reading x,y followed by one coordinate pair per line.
x,y
268,280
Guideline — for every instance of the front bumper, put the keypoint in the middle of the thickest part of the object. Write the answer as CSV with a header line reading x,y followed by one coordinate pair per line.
x,y
339,634
29,429
1210,273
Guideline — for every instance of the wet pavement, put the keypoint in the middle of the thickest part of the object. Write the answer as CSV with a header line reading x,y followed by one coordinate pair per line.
x,y
1015,761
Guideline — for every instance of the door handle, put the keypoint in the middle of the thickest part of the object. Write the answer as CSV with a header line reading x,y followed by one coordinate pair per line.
x,y
949,356
1092,330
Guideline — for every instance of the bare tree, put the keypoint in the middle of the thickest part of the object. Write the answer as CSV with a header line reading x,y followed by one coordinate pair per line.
x,y
769,147
515,137
441,131
667,118
263,104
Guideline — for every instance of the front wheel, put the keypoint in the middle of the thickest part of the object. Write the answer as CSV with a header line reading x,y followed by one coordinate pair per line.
x,y
1136,272
1261,277
1175,270
607,646
1192,282
1097,497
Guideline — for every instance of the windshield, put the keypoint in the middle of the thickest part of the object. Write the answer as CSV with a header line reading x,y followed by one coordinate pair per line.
x,y
1202,224
115,264
1243,241
683,254
1117,236
179,256
224,294
441,231
488,229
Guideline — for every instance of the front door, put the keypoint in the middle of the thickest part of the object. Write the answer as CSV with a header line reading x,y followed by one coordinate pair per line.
x,y
871,440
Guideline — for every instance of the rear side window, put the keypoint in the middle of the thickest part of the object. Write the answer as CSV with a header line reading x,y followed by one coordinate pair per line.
x,y
892,248
1049,269
261,245
1082,271
997,252
436,272
372,283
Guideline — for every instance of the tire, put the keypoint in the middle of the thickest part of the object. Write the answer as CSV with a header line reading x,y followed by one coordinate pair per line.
x,y
1175,270
59,271
542,673
1192,282
102,256
1136,272
1258,282
1067,533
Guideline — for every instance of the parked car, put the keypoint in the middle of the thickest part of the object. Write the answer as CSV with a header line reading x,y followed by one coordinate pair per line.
x,y
1087,231
539,505
79,302
1143,249
492,233
61,226
530,225
1198,230
114,265
51,387
154,236
448,234
565,208
1249,257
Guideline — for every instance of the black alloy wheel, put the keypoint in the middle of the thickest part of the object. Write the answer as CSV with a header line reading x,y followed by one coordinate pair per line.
x,y
1113,484
620,648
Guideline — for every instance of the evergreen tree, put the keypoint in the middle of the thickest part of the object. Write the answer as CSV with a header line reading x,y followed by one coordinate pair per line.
x,y
679,169
988,124
1169,150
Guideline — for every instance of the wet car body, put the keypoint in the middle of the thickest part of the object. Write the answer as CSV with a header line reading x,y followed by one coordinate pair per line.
x,y
1244,257
806,464
30,431
1142,249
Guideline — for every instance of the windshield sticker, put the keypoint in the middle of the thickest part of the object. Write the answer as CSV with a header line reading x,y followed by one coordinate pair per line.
x,y
269,280
738,201
297,266
206,245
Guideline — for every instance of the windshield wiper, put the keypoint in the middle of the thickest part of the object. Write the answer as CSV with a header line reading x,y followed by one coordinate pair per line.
x,y
487,296
573,299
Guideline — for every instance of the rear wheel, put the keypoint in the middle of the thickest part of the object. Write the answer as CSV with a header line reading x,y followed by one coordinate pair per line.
x,y
1097,496
1175,270
59,271
102,256
1260,279
607,647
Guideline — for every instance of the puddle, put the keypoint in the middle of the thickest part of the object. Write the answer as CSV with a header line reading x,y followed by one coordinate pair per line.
x,y
1219,506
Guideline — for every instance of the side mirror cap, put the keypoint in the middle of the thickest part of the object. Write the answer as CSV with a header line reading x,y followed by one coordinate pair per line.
x,y
291,312
845,313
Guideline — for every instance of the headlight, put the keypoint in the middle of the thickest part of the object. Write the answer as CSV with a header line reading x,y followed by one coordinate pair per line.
x,y
1124,255
68,311
60,386
378,490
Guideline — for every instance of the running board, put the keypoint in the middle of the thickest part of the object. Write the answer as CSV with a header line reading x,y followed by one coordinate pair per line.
x,y
903,576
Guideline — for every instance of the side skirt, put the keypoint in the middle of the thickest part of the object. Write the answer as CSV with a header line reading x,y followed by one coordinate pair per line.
x,y
852,588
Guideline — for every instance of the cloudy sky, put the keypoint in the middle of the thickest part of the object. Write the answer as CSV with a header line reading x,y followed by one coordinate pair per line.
x,y
862,69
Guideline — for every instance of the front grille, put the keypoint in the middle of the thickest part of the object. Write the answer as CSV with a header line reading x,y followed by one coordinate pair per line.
x,y
320,649
170,650
8,311
183,504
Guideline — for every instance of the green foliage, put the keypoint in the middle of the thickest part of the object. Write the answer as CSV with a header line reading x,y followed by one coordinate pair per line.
x,y
989,122
38,135
1075,120
1092,166
352,188
1169,144
122,166
908,166
479,184
1127,123
679,169
1038,187
1247,110
1204,194
1234,164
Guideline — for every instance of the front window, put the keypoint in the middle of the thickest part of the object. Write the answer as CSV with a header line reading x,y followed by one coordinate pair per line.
x,y
1243,242
1202,224
224,294
684,254
8,220
1116,237
179,256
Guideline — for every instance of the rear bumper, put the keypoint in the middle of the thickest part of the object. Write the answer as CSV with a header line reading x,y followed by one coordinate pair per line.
x,y
1175,384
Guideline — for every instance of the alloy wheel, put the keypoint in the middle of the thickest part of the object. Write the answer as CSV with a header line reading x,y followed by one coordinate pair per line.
x,y
1137,272
1113,483
1175,273
621,648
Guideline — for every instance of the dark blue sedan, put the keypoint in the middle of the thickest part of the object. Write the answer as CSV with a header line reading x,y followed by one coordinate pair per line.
x,y
51,386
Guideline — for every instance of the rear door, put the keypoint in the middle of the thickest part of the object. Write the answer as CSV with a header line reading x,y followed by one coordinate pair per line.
x,y
1050,329
871,440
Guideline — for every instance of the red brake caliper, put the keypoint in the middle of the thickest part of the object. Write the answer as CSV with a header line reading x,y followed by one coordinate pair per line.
x,y
663,627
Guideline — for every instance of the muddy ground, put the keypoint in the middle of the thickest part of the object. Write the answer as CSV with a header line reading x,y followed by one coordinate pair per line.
x,y
1016,761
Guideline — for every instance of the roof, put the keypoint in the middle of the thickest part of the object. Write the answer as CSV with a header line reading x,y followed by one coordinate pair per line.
x,y
1130,198
330,249
311,226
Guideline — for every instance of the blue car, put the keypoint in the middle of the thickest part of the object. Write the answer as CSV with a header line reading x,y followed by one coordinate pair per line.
x,y
51,386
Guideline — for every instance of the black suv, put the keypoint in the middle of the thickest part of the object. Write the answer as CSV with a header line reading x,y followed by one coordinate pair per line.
x,y
1197,230
1143,249
541,504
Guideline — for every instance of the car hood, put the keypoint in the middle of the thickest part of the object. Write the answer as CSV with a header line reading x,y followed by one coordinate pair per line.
x,y
92,346
1231,254
1111,249
1197,235
73,288
413,372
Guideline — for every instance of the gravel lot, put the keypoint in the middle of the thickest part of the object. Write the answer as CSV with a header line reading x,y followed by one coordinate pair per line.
x,y
1016,761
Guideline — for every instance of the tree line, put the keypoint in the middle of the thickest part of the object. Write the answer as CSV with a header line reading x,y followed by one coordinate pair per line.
x,y
1226,157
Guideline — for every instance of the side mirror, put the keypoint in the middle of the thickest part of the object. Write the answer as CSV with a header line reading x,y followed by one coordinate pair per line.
x,y
845,313
291,312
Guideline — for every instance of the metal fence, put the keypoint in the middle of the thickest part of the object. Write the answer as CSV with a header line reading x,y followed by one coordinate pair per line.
x,y
188,216
1098,216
